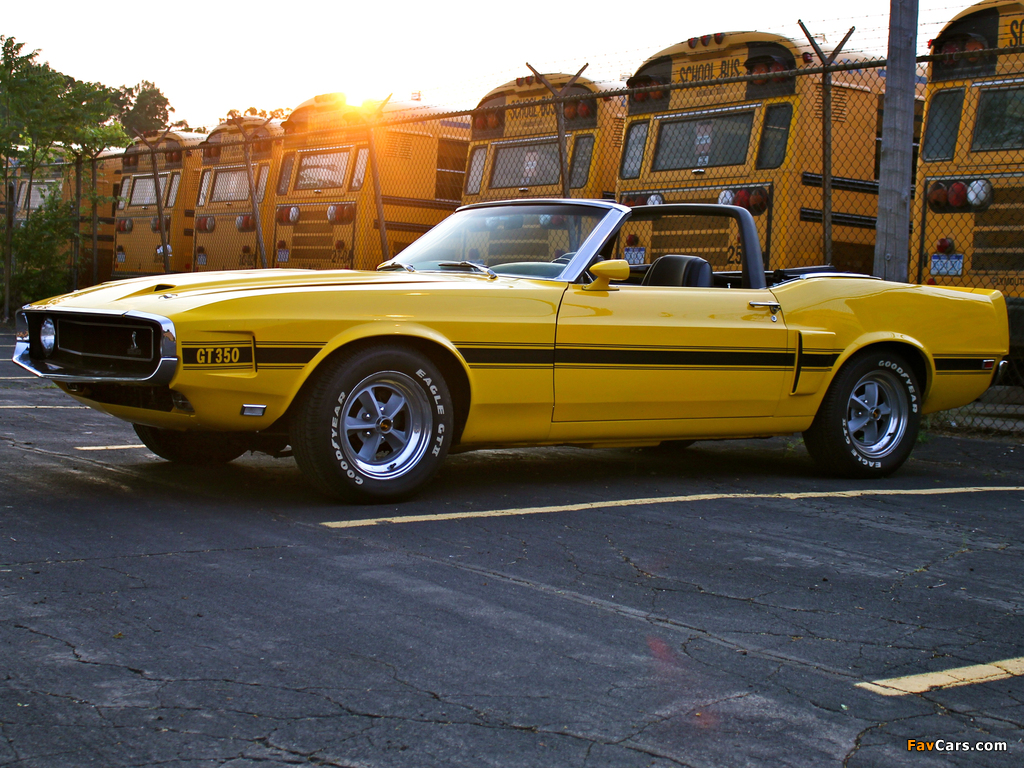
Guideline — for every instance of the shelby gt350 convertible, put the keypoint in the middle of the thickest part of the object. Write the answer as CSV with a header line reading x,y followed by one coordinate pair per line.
x,y
515,324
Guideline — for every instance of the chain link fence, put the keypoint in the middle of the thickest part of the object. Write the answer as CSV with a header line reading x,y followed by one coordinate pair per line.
x,y
335,186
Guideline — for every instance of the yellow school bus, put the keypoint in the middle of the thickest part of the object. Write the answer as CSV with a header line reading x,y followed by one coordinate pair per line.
x,y
234,215
137,241
757,144
326,209
969,201
515,152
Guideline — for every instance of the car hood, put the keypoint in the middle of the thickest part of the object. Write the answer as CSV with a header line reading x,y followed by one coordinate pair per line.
x,y
145,293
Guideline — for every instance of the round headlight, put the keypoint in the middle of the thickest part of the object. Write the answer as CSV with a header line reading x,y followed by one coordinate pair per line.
x,y
655,199
48,336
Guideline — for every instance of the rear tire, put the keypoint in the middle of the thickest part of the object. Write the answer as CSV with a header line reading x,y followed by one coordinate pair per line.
x,y
867,424
192,448
373,426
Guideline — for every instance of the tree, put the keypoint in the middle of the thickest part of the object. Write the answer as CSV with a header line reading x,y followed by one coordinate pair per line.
x,y
143,107
253,112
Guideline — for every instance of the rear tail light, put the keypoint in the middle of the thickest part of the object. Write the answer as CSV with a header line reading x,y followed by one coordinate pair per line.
x,y
154,223
584,109
288,215
245,223
760,68
937,195
960,196
124,225
692,42
480,122
807,57
341,214
971,46
979,193
951,47
945,245
655,199
956,195
570,111
281,245
778,66
641,96
494,120
719,37
246,250
206,224
339,245
754,199
173,157
632,240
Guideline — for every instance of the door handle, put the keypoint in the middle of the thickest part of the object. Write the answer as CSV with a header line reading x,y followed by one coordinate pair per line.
x,y
774,306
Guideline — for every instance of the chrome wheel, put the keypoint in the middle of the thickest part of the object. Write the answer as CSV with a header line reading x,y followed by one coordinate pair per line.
x,y
385,425
877,414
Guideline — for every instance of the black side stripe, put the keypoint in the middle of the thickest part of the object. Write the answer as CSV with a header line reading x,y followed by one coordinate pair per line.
x,y
812,360
962,364
639,357
285,355
498,355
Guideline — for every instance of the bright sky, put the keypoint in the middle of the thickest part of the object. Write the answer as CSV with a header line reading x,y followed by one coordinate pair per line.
x,y
214,56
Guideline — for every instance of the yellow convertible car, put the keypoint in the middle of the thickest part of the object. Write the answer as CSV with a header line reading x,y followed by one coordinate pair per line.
x,y
521,323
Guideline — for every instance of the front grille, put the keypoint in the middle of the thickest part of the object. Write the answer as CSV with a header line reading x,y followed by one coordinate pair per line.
x,y
105,340
129,347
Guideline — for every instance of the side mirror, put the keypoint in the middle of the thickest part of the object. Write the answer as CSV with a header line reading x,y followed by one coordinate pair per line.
x,y
606,271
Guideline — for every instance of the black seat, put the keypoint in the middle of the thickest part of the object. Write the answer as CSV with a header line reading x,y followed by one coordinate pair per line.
x,y
679,271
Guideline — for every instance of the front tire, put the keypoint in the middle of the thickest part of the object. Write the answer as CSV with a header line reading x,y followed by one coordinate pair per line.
x,y
373,426
867,424
192,448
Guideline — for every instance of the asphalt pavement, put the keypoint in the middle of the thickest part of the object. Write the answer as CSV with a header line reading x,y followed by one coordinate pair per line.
x,y
726,605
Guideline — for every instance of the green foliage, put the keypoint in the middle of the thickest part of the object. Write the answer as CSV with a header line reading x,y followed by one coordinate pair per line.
x,y
143,107
42,247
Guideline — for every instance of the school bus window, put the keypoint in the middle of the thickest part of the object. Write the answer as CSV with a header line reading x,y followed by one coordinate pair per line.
x,y
230,186
204,188
525,165
172,193
451,168
582,151
322,170
1000,123
943,125
359,172
143,190
703,142
774,136
476,170
633,154
261,186
285,176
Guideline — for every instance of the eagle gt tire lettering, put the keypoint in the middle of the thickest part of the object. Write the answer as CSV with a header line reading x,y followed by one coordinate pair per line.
x,y
374,425
867,423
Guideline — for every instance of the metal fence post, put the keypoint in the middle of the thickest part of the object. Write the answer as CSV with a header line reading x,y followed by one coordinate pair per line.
x,y
77,237
158,194
563,142
826,139
246,142
378,199
95,228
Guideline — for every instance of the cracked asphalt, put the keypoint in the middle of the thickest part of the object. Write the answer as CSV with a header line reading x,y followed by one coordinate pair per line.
x,y
151,615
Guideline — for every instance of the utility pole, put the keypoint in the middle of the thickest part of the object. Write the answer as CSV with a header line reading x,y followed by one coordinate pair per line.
x,y
892,234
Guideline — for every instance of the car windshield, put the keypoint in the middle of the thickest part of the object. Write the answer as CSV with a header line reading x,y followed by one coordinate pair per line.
x,y
521,240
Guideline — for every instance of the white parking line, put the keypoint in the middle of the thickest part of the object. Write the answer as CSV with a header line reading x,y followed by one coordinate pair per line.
x,y
106,447
38,407
950,678
20,378
669,500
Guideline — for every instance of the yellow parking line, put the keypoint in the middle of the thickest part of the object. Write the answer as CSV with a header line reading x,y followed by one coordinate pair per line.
x,y
106,447
950,678
667,500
